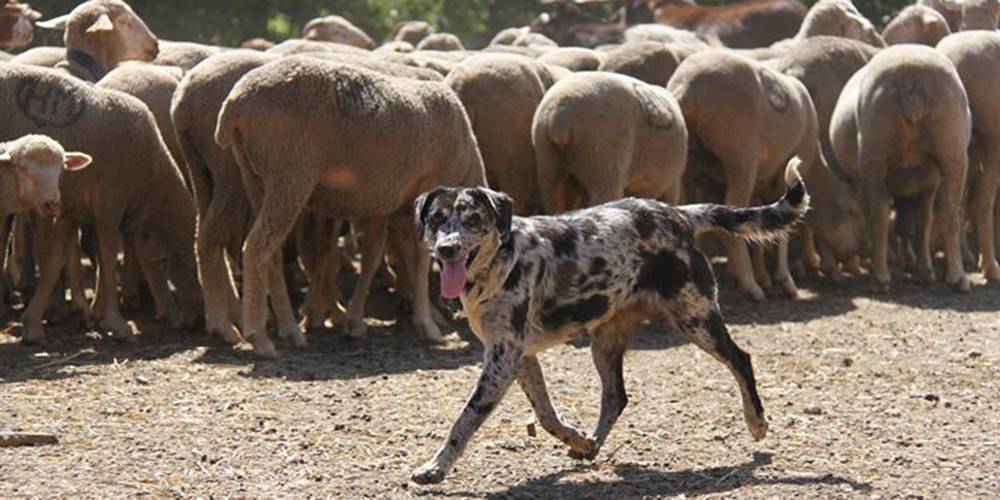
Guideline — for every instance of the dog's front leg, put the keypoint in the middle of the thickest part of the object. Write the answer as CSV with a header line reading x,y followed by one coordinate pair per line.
x,y
502,361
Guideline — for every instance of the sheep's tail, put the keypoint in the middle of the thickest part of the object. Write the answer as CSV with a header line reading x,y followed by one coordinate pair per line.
x,y
914,101
764,223
225,128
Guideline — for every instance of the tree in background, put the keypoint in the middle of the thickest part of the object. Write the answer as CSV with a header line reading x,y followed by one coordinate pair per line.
x,y
229,22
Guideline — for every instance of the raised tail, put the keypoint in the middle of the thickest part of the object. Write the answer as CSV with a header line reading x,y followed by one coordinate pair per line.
x,y
764,223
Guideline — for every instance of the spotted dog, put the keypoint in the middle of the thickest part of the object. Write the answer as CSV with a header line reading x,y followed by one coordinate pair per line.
x,y
530,283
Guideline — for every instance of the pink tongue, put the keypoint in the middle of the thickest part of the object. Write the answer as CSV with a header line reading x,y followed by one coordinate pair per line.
x,y
452,278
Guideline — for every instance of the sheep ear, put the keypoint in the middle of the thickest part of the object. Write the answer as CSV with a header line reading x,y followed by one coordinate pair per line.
x,y
56,23
500,204
74,162
5,160
422,206
103,24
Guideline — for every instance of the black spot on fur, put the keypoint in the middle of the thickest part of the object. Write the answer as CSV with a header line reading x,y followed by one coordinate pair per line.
x,y
514,278
644,221
453,443
518,317
562,236
701,273
576,312
662,272
597,265
796,194
587,228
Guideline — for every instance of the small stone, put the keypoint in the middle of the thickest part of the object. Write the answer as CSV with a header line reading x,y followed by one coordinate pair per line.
x,y
847,362
530,428
933,398
812,410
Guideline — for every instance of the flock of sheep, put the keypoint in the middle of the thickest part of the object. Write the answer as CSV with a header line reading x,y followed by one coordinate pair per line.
x,y
210,164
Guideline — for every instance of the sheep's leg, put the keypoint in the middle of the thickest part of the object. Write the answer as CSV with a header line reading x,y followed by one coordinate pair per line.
x,y
109,243
74,268
288,328
5,296
132,276
925,223
152,264
277,205
877,199
372,253
22,268
317,243
758,258
222,303
951,193
53,260
739,190
828,263
983,203
417,267
782,272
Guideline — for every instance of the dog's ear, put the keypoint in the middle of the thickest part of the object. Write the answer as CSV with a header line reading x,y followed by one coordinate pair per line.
x,y
422,205
501,206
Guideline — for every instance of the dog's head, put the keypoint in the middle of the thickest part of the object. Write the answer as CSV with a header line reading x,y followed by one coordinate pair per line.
x,y
458,225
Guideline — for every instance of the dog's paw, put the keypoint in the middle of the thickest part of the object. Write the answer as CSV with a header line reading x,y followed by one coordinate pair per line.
x,y
588,452
428,474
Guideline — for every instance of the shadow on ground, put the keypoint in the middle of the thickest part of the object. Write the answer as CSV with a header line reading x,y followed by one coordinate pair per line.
x,y
635,481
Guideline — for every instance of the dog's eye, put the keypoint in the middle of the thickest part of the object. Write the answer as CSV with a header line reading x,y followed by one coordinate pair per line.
x,y
438,218
473,220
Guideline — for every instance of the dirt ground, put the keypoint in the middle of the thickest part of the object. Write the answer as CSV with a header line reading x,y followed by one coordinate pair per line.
x,y
867,396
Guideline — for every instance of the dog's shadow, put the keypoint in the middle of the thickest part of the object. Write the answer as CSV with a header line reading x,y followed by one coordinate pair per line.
x,y
636,481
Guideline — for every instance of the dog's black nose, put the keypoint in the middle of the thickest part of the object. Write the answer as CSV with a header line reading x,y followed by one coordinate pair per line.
x,y
449,251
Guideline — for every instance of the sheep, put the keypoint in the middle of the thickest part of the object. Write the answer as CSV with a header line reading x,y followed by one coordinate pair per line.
x,y
507,36
298,46
47,57
338,30
651,62
601,136
976,56
412,32
536,40
664,34
902,127
951,10
745,122
15,24
980,15
838,18
133,185
101,34
500,93
30,168
184,55
824,64
574,58
423,139
223,208
396,46
257,43
441,41
916,24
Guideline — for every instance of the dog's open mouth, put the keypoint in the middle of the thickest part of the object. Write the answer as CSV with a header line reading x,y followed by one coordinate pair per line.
x,y
453,275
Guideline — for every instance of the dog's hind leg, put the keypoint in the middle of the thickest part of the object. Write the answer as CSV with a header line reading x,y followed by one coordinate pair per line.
x,y
701,322
533,383
502,362
607,350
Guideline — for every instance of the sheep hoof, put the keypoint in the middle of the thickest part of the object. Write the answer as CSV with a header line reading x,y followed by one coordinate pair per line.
x,y
431,332
263,347
788,285
962,285
294,335
354,327
754,293
992,272
881,287
227,333
34,334
121,330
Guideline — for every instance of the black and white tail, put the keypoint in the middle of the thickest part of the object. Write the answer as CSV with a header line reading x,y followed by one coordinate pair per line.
x,y
764,223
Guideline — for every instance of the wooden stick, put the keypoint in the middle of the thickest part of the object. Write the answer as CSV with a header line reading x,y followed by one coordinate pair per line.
x,y
10,440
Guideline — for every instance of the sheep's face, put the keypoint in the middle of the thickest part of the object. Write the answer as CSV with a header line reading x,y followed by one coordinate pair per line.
x,y
109,30
462,227
981,15
336,29
15,25
37,163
